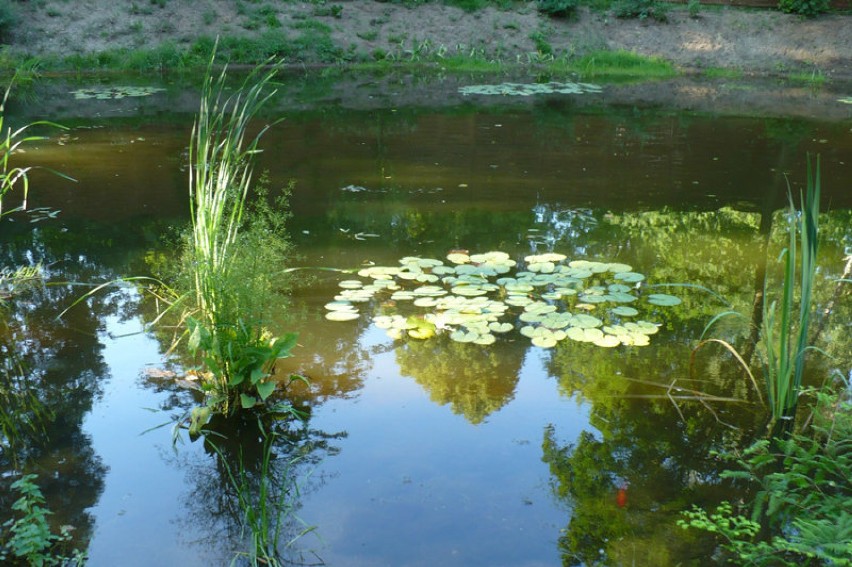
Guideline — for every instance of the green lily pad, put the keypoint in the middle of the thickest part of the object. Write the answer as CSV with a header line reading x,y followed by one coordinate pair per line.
x,y
584,321
496,327
630,277
544,342
663,299
351,284
624,311
617,268
461,336
340,306
607,341
485,339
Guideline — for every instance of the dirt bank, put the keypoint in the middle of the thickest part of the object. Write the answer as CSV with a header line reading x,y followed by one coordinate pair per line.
x,y
752,41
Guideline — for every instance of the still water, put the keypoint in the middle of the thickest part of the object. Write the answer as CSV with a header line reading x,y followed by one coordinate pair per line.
x,y
417,452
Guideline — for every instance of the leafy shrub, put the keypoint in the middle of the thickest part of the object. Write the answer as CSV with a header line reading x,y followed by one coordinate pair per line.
x,y
642,9
801,510
807,8
558,8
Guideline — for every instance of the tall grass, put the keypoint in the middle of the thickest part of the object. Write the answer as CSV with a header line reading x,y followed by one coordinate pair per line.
x,y
10,142
784,332
219,180
785,322
223,261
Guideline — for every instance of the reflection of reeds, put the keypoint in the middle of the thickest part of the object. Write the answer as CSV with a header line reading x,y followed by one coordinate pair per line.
x,y
265,507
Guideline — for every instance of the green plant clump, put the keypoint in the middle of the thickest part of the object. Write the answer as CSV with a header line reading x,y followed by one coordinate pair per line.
x,y
801,513
558,8
28,539
807,8
232,255
641,9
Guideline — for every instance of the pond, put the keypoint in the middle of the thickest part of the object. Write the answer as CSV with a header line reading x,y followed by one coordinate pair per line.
x,y
418,452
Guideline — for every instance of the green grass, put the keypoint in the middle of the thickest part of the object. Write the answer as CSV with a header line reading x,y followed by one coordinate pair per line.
x,y
814,78
622,64
722,73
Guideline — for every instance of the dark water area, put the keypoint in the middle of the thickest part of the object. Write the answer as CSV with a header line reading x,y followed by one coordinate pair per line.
x,y
416,452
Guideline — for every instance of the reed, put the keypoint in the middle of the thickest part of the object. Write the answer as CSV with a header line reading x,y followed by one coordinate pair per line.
x,y
11,142
226,262
785,322
220,178
784,330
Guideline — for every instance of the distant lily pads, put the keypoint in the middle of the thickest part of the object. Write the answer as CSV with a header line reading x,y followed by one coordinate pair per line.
x,y
529,89
114,92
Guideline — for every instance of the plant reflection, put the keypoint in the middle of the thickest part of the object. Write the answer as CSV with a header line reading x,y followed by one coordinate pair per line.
x,y
473,380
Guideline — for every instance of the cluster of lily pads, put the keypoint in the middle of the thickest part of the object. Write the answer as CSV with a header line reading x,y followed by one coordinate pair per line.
x,y
114,92
476,297
528,89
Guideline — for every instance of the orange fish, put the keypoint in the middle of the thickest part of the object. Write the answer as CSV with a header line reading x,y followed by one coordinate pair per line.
x,y
621,497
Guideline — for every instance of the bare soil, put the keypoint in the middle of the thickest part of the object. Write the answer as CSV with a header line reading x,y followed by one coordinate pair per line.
x,y
761,42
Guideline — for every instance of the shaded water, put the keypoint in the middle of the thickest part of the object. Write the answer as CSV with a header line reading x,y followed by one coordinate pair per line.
x,y
420,453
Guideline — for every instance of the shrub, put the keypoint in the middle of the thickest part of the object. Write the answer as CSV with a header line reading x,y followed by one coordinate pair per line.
x,y
642,9
807,8
558,8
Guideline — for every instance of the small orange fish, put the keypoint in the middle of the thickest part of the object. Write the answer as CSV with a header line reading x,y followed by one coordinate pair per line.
x,y
621,497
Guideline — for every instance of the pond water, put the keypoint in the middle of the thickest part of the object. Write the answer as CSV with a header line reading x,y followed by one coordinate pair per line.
x,y
417,452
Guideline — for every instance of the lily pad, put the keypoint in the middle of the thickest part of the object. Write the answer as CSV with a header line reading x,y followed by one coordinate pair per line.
x,y
342,315
458,258
496,327
340,306
585,321
624,311
630,277
663,300
544,342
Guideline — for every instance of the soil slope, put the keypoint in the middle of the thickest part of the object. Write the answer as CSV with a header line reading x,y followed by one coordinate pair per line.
x,y
752,41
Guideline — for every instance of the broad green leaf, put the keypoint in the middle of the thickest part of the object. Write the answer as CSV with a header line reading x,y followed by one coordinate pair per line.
x,y
265,389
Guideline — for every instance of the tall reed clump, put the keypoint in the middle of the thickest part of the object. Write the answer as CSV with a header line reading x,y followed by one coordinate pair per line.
x,y
225,322
784,330
785,321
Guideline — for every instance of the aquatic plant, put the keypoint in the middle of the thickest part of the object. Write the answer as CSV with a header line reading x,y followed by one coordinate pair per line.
x,y
801,511
28,539
10,142
102,92
785,321
225,273
477,297
785,341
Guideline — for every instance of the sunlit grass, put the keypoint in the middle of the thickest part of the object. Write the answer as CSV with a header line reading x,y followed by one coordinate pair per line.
x,y
623,64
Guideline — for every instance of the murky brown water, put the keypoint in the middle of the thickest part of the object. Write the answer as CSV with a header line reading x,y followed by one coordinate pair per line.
x,y
433,452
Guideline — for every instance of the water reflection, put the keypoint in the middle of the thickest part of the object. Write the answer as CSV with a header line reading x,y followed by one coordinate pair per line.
x,y
475,382
681,197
